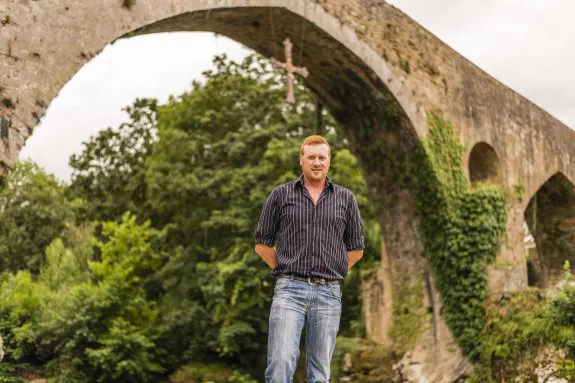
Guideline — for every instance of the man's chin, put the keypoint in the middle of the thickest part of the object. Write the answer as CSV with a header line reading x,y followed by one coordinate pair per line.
x,y
317,178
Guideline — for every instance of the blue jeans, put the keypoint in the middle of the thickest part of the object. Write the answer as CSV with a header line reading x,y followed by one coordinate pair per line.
x,y
297,303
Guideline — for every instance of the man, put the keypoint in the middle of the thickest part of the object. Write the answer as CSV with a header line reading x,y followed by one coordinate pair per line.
x,y
318,226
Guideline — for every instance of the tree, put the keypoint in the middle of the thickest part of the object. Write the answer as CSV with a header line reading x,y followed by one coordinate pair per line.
x,y
33,212
109,174
102,328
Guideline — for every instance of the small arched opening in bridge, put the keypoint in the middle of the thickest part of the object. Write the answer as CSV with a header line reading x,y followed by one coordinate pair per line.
x,y
550,216
484,164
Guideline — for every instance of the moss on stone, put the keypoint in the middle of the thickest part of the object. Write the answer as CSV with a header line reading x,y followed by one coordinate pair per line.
x,y
404,65
408,314
362,361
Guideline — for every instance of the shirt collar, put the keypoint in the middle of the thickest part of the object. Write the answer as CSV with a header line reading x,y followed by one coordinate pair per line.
x,y
299,182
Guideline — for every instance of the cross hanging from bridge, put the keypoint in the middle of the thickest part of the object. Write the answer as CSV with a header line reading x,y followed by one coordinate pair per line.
x,y
290,69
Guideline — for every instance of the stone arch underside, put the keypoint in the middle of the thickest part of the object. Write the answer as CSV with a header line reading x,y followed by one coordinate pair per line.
x,y
484,164
550,216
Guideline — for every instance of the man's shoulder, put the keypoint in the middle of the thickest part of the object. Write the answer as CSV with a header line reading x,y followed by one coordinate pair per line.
x,y
280,189
342,190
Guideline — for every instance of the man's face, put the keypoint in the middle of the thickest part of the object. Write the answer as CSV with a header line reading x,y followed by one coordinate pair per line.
x,y
315,162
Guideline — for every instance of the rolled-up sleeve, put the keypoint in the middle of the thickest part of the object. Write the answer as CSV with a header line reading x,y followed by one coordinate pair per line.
x,y
353,235
268,224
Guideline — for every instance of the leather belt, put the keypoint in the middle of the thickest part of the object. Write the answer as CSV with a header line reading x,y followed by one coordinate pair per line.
x,y
312,280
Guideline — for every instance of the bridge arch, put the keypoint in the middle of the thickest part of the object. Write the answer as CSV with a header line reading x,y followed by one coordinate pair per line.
x,y
484,164
550,216
326,40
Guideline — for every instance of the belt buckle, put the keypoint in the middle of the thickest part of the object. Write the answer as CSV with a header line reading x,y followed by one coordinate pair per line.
x,y
320,281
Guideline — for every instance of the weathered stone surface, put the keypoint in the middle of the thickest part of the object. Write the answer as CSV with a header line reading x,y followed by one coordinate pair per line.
x,y
377,71
377,300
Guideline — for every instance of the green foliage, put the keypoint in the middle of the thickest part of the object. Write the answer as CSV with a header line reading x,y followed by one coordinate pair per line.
x,y
108,177
128,254
238,377
20,299
462,230
510,336
521,328
518,330
87,318
10,373
564,306
566,370
214,373
368,362
33,211
407,313
27,307
108,324
62,267
343,346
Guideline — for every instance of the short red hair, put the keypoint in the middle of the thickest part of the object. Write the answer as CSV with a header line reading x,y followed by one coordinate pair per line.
x,y
314,140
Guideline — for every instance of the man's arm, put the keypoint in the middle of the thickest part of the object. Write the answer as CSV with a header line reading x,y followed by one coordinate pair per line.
x,y
268,254
352,257
353,235
266,231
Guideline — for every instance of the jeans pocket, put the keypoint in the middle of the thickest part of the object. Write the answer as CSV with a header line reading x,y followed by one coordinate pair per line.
x,y
336,290
281,284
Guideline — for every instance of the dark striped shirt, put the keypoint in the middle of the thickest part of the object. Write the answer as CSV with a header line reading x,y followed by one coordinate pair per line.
x,y
313,240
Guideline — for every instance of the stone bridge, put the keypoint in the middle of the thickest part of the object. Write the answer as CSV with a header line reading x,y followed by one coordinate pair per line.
x,y
379,73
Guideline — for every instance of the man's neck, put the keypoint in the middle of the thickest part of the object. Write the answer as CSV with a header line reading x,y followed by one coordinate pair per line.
x,y
314,185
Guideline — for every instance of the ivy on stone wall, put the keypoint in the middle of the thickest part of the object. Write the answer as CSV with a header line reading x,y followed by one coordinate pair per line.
x,y
462,229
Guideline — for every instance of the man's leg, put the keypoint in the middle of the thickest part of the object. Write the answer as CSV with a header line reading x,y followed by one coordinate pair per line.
x,y
287,318
322,327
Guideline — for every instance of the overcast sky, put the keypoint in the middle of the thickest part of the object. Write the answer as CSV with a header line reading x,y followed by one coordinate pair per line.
x,y
529,45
